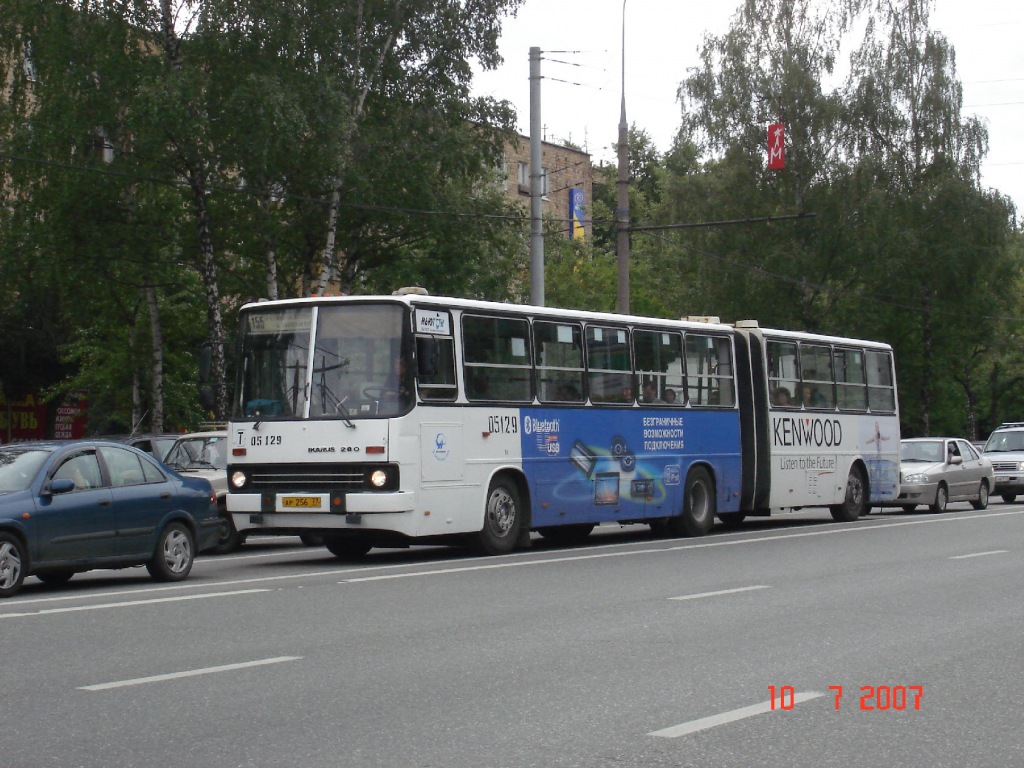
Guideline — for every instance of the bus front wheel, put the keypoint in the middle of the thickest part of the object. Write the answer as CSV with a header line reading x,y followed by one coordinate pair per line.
x,y
856,498
698,513
503,518
347,547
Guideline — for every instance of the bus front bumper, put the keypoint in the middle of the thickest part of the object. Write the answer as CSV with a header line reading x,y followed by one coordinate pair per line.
x,y
295,511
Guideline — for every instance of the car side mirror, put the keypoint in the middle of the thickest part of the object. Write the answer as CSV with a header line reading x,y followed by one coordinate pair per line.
x,y
954,459
61,485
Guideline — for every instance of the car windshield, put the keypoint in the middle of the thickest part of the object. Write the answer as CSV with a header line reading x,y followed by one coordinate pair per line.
x,y
1001,442
198,453
922,450
18,467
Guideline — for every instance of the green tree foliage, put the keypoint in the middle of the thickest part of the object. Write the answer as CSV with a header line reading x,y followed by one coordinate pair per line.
x,y
187,151
903,243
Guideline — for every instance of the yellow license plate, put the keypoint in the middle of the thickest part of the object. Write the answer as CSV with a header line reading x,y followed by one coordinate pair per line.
x,y
301,502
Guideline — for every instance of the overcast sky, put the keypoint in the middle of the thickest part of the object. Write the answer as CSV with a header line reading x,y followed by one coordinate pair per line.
x,y
581,69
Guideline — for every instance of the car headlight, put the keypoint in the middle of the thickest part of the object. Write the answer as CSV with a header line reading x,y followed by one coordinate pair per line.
x,y
238,478
918,478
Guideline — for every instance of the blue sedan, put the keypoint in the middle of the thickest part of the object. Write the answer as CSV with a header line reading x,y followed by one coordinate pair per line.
x,y
67,507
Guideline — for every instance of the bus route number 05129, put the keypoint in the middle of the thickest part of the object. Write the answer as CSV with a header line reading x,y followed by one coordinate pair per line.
x,y
503,425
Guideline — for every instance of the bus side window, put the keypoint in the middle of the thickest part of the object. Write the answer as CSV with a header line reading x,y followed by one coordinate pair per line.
x,y
558,348
436,367
783,381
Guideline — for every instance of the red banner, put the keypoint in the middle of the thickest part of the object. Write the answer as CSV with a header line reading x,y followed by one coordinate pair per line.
x,y
776,147
26,419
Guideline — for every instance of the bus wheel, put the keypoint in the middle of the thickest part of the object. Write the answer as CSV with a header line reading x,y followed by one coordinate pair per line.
x,y
566,534
856,498
698,513
503,517
347,547
230,539
732,519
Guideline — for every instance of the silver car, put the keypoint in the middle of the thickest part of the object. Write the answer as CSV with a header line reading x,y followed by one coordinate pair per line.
x,y
938,470
1005,449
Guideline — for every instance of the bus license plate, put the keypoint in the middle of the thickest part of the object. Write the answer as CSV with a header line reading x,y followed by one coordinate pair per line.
x,y
300,502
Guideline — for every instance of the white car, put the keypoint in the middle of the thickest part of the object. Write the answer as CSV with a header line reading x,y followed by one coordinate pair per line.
x,y
205,454
938,470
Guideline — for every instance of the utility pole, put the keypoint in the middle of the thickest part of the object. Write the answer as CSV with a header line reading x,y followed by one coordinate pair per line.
x,y
622,209
536,179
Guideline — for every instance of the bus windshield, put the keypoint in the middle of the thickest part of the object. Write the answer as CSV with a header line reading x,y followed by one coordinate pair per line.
x,y
339,361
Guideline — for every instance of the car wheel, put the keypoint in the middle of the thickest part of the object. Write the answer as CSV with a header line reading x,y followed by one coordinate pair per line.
x,y
732,519
567,534
982,501
698,513
347,547
55,578
941,499
230,539
174,555
1009,498
503,518
12,564
856,498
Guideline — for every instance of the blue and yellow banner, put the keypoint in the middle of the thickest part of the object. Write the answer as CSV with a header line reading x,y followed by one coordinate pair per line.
x,y
576,229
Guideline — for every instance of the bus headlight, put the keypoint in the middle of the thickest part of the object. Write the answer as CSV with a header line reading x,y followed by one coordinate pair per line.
x,y
379,478
238,478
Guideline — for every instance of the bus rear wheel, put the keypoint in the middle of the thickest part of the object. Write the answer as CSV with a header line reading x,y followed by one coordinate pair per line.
x,y
698,513
856,498
503,518
732,519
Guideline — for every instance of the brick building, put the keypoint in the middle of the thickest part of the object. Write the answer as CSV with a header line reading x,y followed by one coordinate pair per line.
x,y
568,176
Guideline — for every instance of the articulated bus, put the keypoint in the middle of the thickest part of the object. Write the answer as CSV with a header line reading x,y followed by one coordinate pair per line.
x,y
381,421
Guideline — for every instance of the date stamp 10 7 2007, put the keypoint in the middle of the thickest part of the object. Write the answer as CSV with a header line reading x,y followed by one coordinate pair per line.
x,y
875,698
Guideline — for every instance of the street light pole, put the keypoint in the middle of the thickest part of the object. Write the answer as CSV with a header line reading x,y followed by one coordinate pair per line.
x,y
536,181
622,208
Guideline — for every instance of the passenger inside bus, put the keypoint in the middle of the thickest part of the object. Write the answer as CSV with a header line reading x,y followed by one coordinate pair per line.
x,y
650,393
781,397
810,397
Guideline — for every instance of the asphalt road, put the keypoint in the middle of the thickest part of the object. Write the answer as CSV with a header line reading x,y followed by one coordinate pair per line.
x,y
629,651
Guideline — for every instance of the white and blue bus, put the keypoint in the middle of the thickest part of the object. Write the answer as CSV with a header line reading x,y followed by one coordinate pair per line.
x,y
380,421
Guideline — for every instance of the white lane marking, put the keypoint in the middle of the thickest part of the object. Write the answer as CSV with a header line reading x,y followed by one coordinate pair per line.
x,y
704,723
189,673
980,554
729,540
699,595
130,603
